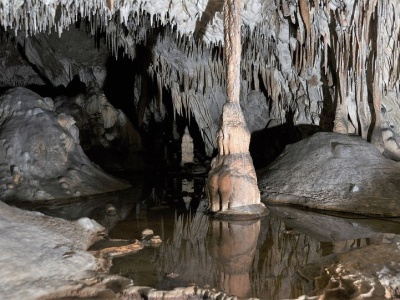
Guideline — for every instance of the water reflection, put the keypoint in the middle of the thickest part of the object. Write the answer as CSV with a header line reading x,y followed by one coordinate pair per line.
x,y
282,256
233,245
107,208
281,253
183,258
187,191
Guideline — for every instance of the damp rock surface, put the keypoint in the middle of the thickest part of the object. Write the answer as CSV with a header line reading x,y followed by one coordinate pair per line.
x,y
40,154
336,172
41,254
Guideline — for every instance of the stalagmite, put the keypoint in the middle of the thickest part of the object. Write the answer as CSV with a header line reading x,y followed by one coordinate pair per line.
x,y
187,148
232,183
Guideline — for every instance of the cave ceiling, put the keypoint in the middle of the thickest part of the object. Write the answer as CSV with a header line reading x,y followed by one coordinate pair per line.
x,y
328,63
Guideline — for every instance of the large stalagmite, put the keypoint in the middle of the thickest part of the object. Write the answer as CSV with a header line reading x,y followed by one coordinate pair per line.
x,y
232,182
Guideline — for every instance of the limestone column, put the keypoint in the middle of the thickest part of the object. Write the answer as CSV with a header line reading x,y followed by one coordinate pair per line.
x,y
232,183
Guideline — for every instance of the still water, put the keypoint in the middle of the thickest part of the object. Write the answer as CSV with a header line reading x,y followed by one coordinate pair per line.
x,y
276,257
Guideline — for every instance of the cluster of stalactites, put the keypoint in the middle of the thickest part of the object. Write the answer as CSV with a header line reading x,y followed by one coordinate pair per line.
x,y
348,48
138,18
354,45
263,68
193,71
194,75
33,17
367,38
292,50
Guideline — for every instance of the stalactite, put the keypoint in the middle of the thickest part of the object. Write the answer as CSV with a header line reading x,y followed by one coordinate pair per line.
x,y
339,35
305,14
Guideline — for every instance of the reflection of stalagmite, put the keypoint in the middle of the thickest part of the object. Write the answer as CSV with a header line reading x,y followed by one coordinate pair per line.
x,y
232,181
187,191
233,246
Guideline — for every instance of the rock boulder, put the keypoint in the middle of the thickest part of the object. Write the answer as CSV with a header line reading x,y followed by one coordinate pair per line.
x,y
40,154
335,172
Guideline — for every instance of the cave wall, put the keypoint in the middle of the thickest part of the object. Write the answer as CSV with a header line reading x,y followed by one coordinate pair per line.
x,y
332,63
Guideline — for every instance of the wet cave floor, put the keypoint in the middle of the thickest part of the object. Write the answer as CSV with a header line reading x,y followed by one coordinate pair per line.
x,y
281,256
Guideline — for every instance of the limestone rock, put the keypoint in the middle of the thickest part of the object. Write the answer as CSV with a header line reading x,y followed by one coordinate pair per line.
x,y
102,126
335,172
60,59
40,155
14,70
41,255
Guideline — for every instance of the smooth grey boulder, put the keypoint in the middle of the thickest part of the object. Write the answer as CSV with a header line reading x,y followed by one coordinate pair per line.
x,y
335,172
40,255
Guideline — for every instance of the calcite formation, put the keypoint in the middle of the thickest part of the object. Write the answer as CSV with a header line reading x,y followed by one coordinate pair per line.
x,y
232,182
309,62
331,64
187,148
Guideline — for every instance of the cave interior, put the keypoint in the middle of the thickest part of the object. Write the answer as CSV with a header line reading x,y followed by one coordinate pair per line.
x,y
306,66
96,92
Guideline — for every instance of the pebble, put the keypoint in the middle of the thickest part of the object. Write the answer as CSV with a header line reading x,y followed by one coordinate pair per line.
x,y
147,232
